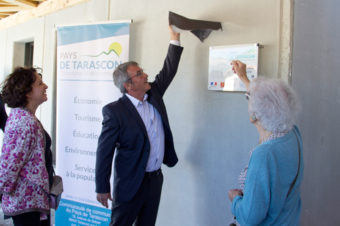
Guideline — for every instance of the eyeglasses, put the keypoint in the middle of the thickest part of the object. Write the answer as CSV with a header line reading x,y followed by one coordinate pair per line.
x,y
247,94
138,74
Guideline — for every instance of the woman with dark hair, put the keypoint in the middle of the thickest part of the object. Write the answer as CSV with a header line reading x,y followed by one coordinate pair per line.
x,y
270,184
26,161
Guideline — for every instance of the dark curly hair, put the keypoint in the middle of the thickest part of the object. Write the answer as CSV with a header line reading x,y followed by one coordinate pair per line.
x,y
17,85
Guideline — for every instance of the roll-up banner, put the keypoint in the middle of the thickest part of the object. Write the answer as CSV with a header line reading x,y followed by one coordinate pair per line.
x,y
86,57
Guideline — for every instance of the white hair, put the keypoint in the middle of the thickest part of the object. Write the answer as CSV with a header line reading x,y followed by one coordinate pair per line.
x,y
274,104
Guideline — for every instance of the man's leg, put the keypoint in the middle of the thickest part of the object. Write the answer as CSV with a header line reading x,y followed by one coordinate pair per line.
x,y
124,214
152,195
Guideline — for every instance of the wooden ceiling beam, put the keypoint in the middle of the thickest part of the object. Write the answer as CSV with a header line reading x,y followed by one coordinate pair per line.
x,y
44,7
23,3
11,8
7,13
26,3
2,4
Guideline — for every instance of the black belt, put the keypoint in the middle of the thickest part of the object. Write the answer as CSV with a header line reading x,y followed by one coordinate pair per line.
x,y
153,173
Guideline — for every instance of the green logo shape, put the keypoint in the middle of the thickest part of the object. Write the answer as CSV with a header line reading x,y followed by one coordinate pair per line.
x,y
114,47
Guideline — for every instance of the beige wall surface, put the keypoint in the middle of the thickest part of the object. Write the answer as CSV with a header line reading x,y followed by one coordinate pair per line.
x,y
212,133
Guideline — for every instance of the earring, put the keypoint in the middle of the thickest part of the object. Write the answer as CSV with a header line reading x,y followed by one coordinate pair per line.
x,y
253,117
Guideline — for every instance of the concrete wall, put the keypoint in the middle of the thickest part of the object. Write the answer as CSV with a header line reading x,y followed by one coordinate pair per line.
x,y
211,129
316,77
212,133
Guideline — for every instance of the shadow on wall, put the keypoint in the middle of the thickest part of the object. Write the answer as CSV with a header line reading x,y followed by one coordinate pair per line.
x,y
218,150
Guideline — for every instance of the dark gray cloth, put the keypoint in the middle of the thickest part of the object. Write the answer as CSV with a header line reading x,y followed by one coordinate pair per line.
x,y
200,28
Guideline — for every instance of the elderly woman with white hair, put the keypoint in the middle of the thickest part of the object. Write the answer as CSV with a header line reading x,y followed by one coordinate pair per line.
x,y
270,184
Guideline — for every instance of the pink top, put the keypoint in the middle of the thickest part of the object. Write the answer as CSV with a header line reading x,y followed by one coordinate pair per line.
x,y
23,174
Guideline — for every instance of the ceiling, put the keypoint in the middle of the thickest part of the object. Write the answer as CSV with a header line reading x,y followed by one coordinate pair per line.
x,y
10,7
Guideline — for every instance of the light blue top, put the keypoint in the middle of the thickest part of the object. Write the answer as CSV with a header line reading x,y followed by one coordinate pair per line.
x,y
271,171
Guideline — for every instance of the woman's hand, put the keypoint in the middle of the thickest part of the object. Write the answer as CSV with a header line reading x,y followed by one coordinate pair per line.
x,y
233,193
241,70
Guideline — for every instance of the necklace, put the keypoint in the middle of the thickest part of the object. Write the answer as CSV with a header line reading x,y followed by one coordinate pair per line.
x,y
243,174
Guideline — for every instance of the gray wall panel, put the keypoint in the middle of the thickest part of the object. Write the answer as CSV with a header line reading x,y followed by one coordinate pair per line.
x,y
316,77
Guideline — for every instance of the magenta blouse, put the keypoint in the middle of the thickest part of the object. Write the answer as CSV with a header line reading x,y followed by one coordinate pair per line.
x,y
23,174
